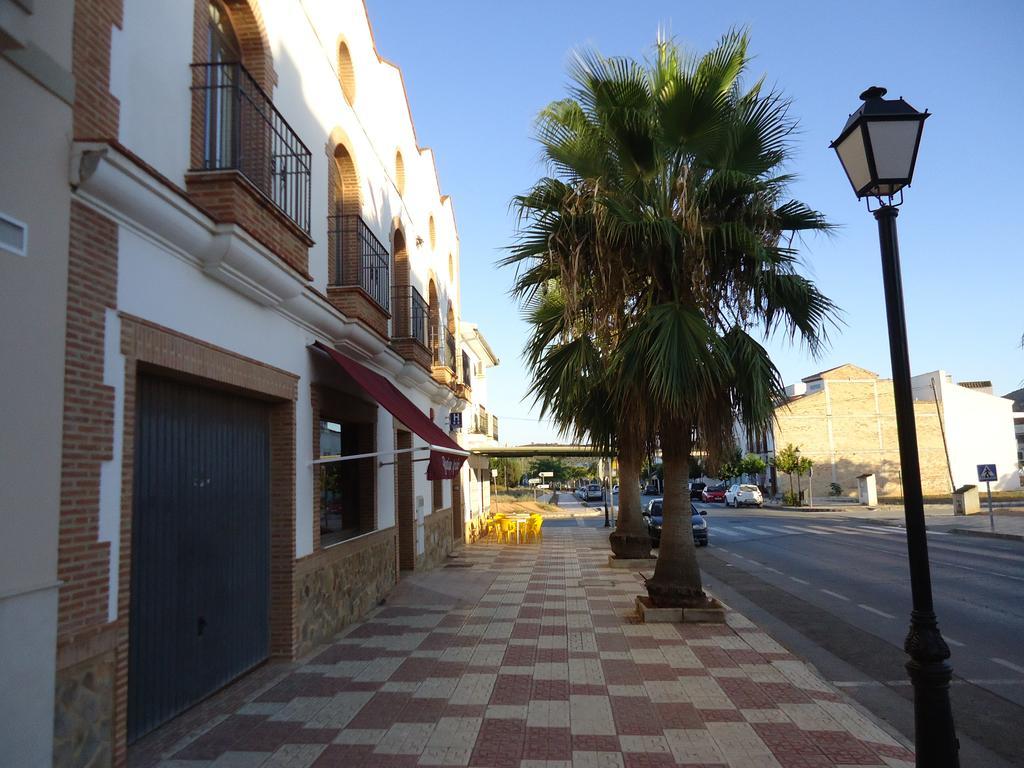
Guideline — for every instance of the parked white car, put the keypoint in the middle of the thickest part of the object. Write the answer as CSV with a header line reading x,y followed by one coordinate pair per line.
x,y
739,495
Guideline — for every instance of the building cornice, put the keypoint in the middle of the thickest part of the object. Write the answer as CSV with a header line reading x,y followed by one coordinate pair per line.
x,y
111,182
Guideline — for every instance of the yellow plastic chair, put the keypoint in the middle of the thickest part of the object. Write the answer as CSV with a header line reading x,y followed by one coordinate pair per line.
x,y
533,528
493,524
508,530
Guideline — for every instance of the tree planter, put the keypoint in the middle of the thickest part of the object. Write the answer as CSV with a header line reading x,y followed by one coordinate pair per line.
x,y
711,612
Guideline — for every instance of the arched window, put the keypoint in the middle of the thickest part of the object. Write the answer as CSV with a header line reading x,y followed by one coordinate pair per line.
x,y
400,172
222,43
343,199
436,330
221,110
451,269
450,352
433,233
346,73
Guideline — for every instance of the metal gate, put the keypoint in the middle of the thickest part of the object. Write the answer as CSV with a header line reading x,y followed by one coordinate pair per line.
x,y
200,576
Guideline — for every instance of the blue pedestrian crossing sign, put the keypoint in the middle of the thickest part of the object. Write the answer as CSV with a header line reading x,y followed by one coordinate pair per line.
x,y
987,473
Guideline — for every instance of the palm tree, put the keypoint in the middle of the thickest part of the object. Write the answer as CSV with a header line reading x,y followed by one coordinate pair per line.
x,y
566,355
669,217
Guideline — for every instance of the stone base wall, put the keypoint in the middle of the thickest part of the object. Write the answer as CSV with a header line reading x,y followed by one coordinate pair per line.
x,y
83,725
437,535
339,585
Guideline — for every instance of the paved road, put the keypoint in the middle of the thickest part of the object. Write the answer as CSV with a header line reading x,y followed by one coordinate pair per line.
x,y
839,586
858,572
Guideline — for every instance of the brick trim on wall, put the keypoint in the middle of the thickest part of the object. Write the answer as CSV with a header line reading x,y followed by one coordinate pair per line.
x,y
148,347
96,112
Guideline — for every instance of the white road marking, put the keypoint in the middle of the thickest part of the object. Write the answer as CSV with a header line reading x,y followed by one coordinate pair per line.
x,y
749,529
890,529
724,532
774,570
876,611
836,595
798,581
951,641
821,529
1008,665
795,528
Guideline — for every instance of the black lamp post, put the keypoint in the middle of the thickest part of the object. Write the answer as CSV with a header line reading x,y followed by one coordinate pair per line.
x,y
878,150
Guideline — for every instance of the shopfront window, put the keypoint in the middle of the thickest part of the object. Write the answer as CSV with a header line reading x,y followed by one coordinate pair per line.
x,y
346,502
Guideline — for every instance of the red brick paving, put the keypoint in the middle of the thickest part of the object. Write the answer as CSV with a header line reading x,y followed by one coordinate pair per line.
x,y
484,709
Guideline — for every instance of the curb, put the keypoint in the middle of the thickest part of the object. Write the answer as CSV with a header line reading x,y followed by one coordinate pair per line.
x,y
986,534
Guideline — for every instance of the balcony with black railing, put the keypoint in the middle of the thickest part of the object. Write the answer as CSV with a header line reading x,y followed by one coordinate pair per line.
x,y
443,351
359,258
409,325
237,128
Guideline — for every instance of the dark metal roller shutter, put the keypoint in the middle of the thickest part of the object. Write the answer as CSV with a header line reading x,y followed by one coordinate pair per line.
x,y
200,576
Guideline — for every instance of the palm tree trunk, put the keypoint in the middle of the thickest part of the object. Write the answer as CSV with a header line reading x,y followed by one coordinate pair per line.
x,y
676,582
630,539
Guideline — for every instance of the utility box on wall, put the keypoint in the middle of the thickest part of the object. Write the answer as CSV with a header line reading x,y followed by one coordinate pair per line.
x,y
965,500
867,490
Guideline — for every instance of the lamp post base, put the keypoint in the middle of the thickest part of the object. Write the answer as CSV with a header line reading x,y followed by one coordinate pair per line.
x,y
930,674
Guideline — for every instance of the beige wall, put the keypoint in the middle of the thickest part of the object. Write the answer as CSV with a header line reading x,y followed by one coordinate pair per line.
x,y
848,428
35,135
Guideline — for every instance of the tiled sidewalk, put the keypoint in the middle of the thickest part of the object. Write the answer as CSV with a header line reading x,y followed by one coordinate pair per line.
x,y
529,658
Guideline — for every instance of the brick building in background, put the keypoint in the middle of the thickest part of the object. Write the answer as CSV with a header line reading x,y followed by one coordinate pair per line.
x,y
844,419
262,282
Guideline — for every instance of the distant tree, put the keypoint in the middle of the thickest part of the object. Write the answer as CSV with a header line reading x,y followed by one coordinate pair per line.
x,y
787,460
509,470
731,465
549,464
803,467
752,464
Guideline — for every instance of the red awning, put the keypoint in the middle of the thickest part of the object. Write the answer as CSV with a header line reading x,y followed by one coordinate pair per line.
x,y
443,464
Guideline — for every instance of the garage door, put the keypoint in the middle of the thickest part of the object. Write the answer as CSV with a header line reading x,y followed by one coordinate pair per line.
x,y
200,547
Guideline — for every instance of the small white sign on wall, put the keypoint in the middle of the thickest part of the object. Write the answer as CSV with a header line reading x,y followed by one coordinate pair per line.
x,y
13,235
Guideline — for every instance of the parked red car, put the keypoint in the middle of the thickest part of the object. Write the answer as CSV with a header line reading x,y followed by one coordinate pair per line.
x,y
714,494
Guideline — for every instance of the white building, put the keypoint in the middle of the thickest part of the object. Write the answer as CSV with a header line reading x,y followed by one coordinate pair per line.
x,y
977,427
262,272
36,93
479,426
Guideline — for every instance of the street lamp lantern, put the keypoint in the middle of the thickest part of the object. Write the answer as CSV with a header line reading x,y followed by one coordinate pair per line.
x,y
878,144
878,150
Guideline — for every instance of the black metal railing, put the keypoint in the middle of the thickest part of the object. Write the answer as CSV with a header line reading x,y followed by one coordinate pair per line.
x,y
442,345
410,316
360,258
494,427
242,131
450,351
482,422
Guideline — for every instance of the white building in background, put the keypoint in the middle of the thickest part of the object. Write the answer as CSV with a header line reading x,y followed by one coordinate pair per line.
x,y
479,426
1017,397
978,427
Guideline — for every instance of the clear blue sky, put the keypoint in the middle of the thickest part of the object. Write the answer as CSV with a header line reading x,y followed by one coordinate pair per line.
x,y
477,73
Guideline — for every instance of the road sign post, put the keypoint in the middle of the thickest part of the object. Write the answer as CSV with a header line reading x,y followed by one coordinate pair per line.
x,y
986,474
